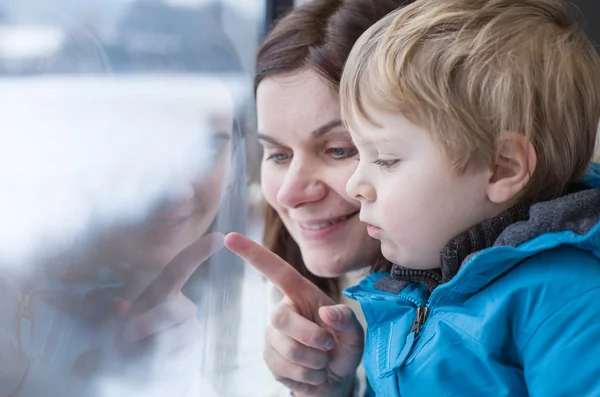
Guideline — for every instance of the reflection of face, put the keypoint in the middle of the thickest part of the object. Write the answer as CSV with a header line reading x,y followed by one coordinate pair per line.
x,y
184,214
308,159
413,200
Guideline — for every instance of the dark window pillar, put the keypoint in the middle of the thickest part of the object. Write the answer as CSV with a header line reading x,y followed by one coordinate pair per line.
x,y
589,11
276,9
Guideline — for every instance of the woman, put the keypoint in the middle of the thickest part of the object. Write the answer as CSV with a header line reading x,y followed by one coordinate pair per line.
x,y
308,158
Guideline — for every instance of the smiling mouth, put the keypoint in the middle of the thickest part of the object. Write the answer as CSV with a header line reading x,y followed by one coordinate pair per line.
x,y
168,222
324,225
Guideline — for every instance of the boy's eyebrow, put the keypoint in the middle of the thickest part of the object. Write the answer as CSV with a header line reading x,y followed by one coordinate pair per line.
x,y
317,133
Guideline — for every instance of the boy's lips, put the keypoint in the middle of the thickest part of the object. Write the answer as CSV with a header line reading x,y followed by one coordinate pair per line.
x,y
373,230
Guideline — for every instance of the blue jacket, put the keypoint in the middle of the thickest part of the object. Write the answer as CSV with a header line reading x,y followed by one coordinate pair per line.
x,y
521,318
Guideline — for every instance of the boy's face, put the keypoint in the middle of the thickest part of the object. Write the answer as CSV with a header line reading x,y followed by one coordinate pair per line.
x,y
411,198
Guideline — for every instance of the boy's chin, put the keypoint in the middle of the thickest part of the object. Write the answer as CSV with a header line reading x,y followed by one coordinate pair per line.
x,y
391,254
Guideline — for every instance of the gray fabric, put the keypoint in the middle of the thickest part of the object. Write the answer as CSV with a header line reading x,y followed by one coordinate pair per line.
x,y
578,212
478,238
391,285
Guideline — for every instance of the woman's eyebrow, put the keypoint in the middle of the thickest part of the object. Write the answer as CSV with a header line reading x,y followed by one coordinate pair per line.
x,y
317,133
325,128
266,138
222,135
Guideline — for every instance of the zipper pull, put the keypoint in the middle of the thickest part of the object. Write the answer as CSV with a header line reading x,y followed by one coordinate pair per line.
x,y
421,317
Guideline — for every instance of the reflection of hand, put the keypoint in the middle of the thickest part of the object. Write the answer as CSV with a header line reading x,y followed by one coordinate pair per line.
x,y
162,316
161,324
313,346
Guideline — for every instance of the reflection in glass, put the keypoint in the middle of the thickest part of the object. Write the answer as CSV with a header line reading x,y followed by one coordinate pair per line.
x,y
123,162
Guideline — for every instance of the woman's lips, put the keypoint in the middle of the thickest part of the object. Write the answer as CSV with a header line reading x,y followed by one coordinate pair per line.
x,y
166,227
321,228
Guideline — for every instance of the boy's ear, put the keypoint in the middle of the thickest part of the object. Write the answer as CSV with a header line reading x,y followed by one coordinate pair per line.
x,y
514,164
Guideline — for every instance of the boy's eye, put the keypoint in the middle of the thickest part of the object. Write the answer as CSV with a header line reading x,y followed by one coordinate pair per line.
x,y
340,153
386,163
278,158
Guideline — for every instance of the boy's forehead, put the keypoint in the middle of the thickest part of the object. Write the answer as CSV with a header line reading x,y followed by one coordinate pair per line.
x,y
361,130
366,135
359,138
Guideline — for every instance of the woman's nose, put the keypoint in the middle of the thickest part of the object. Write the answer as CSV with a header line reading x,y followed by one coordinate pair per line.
x,y
178,192
301,185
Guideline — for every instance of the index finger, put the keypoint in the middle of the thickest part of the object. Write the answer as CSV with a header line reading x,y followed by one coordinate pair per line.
x,y
174,276
287,279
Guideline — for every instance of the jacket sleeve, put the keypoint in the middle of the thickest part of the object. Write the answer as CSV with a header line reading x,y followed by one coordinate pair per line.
x,y
561,357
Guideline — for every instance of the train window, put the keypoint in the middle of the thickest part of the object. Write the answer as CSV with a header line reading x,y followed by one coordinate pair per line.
x,y
123,161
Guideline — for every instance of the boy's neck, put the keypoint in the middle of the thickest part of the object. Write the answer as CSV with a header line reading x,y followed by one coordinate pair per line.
x,y
475,239
478,238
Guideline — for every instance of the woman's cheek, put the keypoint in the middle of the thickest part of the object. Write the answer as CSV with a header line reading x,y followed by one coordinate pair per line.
x,y
270,185
340,179
213,188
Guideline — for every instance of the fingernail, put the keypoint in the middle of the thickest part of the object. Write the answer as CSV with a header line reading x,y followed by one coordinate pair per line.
x,y
325,341
121,307
218,240
334,315
328,344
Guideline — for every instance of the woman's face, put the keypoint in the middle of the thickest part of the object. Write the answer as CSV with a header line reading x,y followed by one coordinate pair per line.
x,y
308,158
184,213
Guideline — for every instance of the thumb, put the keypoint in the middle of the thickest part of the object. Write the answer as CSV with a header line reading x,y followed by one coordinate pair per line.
x,y
342,320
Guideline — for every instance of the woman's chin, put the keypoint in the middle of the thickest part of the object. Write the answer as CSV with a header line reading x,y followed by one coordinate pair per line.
x,y
327,268
337,259
153,259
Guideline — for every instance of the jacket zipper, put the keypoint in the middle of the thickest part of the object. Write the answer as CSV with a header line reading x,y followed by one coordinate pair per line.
x,y
422,312
420,318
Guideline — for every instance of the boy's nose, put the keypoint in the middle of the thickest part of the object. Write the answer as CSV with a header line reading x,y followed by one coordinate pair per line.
x,y
359,187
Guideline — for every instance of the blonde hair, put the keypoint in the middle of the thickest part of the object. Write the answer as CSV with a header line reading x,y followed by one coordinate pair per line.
x,y
468,70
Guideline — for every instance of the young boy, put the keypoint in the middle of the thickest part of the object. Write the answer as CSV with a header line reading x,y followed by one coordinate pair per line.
x,y
475,122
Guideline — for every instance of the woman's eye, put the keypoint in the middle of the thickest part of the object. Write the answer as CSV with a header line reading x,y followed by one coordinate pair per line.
x,y
340,153
386,163
278,158
219,144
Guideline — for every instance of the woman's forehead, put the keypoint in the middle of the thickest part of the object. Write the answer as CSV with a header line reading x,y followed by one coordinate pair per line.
x,y
302,101
222,122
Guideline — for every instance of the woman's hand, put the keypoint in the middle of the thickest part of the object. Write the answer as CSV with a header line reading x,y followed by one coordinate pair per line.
x,y
162,317
159,332
313,346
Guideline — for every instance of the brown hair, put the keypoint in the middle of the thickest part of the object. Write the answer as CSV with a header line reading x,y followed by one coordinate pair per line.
x,y
468,70
317,35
